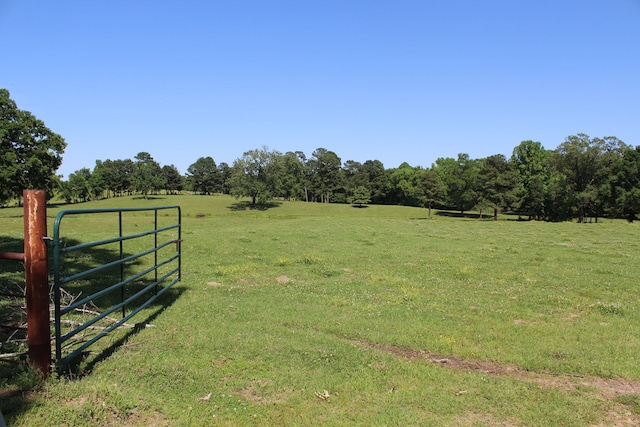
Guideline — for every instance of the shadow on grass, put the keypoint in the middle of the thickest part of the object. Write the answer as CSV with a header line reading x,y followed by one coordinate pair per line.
x,y
12,318
83,364
19,382
246,205
359,206
22,395
148,198
467,215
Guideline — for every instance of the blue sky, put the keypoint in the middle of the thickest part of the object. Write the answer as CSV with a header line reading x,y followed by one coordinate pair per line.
x,y
395,81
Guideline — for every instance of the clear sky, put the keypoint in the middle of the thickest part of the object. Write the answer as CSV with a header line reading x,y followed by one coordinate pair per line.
x,y
395,80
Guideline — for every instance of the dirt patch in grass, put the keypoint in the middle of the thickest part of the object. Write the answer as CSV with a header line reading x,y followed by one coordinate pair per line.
x,y
604,388
256,392
147,419
473,419
607,388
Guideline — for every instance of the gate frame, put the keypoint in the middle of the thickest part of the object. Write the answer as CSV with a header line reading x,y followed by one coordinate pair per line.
x,y
58,281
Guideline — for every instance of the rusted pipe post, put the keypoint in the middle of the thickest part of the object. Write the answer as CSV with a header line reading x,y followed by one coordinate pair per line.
x,y
37,279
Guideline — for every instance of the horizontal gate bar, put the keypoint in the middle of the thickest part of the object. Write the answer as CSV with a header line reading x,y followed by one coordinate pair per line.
x,y
12,256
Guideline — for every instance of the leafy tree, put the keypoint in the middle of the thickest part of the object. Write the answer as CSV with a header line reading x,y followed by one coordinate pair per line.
x,y
376,180
404,185
204,176
530,161
361,196
558,203
98,181
104,170
147,175
252,176
497,181
291,176
613,154
353,176
585,164
30,153
326,173
460,176
305,176
625,184
431,190
172,179
120,177
116,175
66,191
79,185
225,173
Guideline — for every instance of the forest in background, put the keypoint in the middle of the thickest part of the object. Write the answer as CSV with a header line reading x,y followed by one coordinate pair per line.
x,y
582,178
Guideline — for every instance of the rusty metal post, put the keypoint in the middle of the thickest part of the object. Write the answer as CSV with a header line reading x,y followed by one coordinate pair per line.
x,y
37,279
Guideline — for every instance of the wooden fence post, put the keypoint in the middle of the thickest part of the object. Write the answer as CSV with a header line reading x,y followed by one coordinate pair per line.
x,y
37,279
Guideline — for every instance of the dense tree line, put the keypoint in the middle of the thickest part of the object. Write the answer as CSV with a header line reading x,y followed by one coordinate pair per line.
x,y
582,178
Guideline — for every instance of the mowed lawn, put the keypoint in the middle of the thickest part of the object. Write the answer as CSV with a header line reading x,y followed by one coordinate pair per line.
x,y
310,314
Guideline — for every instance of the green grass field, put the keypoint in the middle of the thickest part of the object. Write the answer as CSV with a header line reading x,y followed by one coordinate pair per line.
x,y
310,314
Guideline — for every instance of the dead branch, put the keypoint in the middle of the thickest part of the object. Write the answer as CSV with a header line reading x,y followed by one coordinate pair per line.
x,y
12,355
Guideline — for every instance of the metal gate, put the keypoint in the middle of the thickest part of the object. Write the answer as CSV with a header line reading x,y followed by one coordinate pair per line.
x,y
122,273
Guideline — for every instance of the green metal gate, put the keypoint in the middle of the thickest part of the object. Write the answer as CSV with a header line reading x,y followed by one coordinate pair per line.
x,y
123,273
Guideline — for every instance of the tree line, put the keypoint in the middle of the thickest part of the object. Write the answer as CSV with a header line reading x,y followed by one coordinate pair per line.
x,y
582,178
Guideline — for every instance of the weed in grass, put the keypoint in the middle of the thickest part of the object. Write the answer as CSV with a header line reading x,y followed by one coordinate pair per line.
x,y
309,260
606,308
283,261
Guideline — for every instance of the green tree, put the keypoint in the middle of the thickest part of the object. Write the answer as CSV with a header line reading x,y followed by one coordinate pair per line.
x,y
30,153
586,164
252,176
376,180
305,175
497,182
225,173
431,189
98,181
291,171
173,180
66,192
204,176
326,173
120,177
353,176
79,185
104,170
461,179
147,174
404,185
361,196
530,161
625,184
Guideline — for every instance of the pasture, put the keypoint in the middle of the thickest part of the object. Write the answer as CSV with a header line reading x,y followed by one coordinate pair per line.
x,y
311,314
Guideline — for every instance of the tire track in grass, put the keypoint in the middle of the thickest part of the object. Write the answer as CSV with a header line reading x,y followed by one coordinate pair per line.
x,y
610,389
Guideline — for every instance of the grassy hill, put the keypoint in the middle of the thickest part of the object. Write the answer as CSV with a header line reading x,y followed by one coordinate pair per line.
x,y
300,314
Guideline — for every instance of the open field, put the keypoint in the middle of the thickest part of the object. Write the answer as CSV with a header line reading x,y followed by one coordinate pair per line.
x,y
304,314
